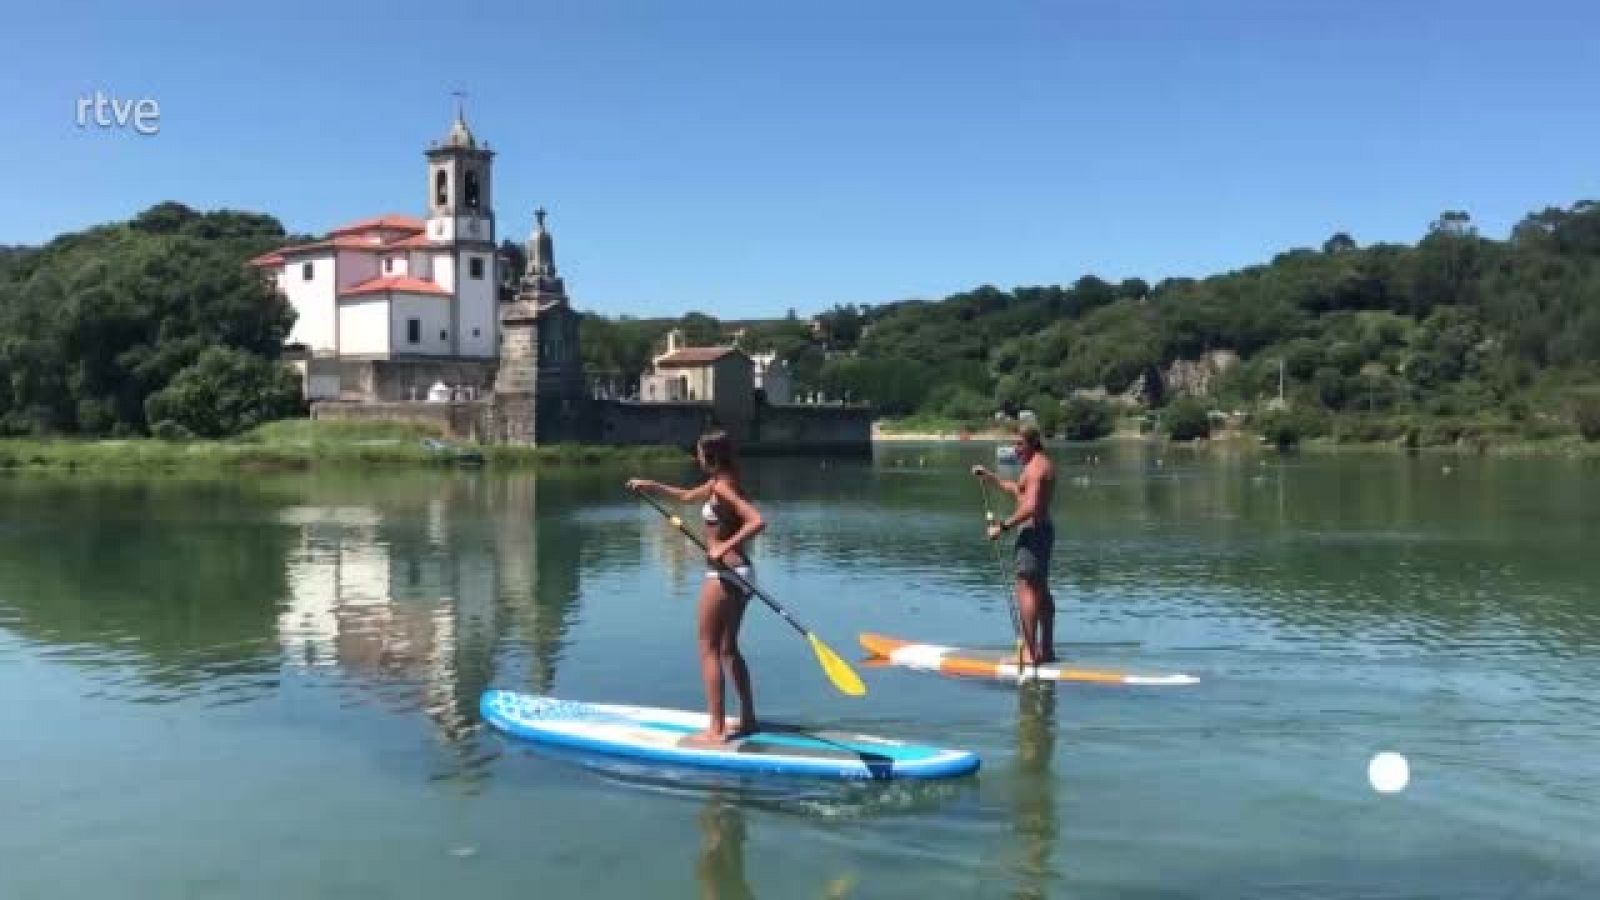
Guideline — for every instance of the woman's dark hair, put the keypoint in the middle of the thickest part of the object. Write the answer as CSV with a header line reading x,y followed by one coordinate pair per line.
x,y
717,449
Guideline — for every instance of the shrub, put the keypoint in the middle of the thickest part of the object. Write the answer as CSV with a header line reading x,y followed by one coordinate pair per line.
x,y
1086,419
958,402
1288,427
168,430
1586,414
1542,428
1046,414
225,392
1280,429
1186,420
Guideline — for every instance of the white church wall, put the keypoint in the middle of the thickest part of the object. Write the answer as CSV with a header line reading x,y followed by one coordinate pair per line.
x,y
364,326
474,228
432,314
479,298
442,229
444,270
313,301
421,265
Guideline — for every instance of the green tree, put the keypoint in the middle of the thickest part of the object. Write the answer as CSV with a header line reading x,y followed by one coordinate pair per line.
x,y
1339,243
958,402
701,330
1586,414
1047,413
95,322
226,392
1086,419
1186,420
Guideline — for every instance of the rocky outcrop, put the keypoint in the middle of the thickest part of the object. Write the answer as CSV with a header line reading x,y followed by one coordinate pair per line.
x,y
1196,377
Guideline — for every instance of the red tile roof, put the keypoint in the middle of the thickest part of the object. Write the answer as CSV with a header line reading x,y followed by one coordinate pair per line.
x,y
363,236
693,356
413,242
387,222
400,284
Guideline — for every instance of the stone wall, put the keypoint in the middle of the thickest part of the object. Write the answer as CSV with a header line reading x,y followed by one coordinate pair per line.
x,y
408,380
788,428
670,424
465,421
813,428
774,429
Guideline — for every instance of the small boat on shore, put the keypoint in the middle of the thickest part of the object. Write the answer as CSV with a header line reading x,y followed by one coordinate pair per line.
x,y
451,453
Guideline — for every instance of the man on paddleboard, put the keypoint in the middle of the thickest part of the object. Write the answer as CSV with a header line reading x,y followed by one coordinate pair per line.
x,y
1036,538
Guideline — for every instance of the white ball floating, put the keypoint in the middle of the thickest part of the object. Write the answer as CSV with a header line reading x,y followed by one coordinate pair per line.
x,y
1388,772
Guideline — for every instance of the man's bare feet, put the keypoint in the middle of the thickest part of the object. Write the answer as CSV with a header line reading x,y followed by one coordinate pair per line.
x,y
738,729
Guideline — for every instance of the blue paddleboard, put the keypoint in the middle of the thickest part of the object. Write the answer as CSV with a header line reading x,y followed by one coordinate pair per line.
x,y
658,736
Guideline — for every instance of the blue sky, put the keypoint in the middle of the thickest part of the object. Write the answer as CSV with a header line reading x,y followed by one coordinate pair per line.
x,y
744,158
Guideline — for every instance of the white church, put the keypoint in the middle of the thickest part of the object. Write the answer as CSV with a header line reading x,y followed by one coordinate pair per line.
x,y
391,305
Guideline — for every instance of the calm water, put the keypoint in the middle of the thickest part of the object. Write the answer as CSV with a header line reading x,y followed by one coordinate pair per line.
x,y
267,688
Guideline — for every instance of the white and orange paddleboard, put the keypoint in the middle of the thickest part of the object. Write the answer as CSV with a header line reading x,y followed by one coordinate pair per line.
x,y
998,666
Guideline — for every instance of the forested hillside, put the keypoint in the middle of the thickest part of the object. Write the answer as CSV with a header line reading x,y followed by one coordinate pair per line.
x,y
124,327
1455,334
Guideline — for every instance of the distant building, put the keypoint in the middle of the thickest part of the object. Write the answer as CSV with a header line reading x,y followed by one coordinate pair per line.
x,y
723,377
772,377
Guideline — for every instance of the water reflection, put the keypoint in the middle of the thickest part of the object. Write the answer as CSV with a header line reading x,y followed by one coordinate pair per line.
x,y
1033,800
162,595
719,867
437,598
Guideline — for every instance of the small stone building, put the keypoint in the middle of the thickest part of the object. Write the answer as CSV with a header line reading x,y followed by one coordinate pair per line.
x,y
722,377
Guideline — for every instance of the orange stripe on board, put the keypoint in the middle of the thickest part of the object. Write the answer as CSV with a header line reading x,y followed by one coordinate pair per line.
x,y
880,645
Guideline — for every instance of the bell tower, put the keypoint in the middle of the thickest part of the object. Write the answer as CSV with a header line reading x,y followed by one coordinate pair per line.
x,y
460,186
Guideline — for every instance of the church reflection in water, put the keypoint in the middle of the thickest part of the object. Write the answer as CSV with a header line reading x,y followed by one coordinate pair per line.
x,y
427,599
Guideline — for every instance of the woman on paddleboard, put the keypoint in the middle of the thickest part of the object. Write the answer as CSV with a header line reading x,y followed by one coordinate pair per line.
x,y
731,521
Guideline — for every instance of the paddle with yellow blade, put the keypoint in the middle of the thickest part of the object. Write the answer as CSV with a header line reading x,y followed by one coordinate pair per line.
x,y
838,671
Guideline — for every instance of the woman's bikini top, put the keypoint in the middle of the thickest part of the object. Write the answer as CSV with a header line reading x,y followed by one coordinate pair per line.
x,y
708,511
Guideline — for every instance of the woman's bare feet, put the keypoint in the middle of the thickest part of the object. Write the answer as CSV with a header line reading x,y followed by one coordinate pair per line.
x,y
735,729
706,738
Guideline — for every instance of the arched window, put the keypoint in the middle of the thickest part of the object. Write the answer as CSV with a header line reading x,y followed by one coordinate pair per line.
x,y
471,193
441,188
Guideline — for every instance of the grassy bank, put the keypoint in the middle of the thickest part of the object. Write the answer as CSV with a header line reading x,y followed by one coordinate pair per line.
x,y
925,425
1497,432
1489,435
302,445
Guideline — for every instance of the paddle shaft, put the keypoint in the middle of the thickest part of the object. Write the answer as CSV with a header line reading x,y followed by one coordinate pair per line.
x,y
677,521
1011,600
